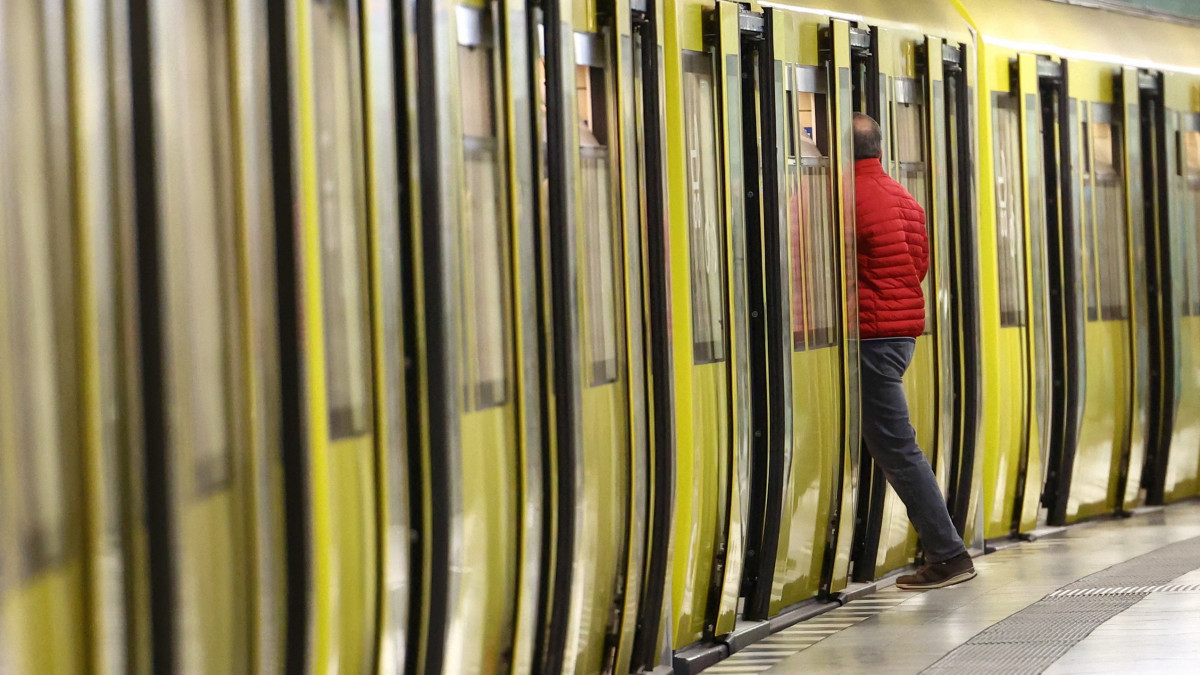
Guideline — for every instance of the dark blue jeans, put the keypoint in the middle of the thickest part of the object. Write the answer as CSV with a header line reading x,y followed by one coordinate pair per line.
x,y
892,441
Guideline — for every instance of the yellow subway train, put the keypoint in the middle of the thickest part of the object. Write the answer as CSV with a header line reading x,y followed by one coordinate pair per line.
x,y
490,336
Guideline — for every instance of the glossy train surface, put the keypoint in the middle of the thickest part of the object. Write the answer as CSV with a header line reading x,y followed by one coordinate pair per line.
x,y
510,336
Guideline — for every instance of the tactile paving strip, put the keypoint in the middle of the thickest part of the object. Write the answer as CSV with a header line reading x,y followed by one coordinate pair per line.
x,y
1037,636
1126,590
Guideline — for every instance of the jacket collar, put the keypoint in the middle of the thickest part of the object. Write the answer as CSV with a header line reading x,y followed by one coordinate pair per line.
x,y
868,167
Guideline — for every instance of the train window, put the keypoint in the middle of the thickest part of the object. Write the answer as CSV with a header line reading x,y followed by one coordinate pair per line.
x,y
201,324
814,233
796,242
910,151
600,272
1010,210
706,231
1112,244
342,214
39,421
484,280
908,136
1088,219
1190,161
35,257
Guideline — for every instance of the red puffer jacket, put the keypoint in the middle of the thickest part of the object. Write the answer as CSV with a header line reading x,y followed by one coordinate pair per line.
x,y
893,255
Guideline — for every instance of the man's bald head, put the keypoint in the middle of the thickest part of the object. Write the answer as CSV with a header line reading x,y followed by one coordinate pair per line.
x,y
868,138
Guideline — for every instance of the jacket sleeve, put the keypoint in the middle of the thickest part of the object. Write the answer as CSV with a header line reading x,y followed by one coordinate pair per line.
x,y
918,246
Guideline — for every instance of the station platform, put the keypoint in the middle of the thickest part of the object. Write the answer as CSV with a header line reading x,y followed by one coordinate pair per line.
x,y
1112,596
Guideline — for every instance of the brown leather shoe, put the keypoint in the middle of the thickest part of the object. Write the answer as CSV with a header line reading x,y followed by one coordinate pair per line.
x,y
939,575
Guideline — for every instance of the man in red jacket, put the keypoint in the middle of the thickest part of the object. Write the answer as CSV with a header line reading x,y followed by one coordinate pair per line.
x,y
893,257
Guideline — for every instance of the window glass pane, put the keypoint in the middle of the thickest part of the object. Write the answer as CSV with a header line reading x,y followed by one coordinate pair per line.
x,y
706,222
1010,210
913,171
342,219
36,279
1111,235
1091,262
600,272
816,255
796,239
197,218
1191,236
815,290
484,282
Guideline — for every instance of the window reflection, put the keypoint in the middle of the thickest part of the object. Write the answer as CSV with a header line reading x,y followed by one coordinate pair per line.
x,y
812,230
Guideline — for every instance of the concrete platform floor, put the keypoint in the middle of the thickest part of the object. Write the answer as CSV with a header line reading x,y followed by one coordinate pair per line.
x,y
1111,613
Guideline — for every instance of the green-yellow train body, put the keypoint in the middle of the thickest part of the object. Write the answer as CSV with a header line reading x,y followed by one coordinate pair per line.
x,y
482,336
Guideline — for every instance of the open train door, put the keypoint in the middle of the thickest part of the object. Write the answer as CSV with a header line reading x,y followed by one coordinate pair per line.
x,y
801,399
1163,317
954,152
918,107
652,640
1047,125
836,53
1127,96
763,111
474,392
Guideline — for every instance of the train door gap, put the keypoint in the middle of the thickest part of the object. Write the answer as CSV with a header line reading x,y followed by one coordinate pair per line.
x,y
650,605
872,488
835,59
964,322
751,47
770,338
1023,457
1160,315
1066,350
405,32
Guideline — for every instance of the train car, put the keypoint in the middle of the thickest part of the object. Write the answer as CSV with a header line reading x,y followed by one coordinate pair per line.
x,y
1086,227
761,166
497,336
